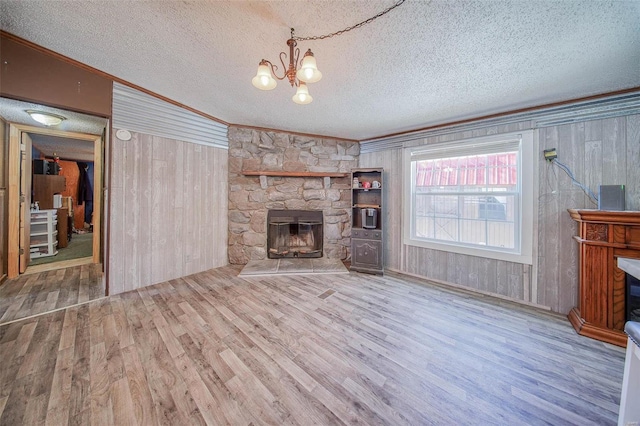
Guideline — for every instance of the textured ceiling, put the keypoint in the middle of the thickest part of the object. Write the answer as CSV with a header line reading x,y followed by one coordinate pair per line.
x,y
66,148
424,63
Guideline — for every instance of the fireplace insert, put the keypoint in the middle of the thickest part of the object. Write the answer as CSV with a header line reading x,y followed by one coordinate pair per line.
x,y
633,298
294,233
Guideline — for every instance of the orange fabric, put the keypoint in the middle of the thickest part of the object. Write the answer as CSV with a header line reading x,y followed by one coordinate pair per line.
x,y
72,174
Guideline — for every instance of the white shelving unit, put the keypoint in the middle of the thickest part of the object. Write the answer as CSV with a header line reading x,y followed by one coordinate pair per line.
x,y
44,234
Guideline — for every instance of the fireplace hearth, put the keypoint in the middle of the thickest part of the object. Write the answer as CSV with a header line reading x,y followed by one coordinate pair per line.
x,y
294,233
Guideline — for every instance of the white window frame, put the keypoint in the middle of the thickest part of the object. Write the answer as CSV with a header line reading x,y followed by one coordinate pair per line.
x,y
527,163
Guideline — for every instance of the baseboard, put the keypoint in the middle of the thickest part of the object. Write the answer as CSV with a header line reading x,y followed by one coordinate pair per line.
x,y
462,288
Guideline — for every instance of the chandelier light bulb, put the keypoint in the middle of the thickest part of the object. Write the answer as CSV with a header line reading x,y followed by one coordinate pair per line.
x,y
263,79
302,96
308,71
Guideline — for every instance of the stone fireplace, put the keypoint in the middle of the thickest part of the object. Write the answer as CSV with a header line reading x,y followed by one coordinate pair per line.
x,y
282,171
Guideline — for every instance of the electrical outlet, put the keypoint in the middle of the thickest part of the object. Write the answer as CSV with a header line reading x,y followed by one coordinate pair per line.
x,y
550,154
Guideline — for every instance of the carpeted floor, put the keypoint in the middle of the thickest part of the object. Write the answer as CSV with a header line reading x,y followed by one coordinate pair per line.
x,y
293,266
81,245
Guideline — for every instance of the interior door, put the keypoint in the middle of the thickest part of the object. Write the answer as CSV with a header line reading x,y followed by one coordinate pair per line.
x,y
25,200
19,201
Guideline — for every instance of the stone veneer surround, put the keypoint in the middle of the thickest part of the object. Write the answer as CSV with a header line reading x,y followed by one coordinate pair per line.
x,y
251,196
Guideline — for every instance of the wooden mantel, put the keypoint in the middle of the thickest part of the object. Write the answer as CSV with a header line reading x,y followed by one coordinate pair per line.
x,y
604,236
282,173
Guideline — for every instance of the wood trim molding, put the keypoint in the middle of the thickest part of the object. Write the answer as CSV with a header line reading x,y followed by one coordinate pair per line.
x,y
583,328
623,217
510,112
292,174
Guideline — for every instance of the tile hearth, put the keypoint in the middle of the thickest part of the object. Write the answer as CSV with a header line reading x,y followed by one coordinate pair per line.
x,y
293,266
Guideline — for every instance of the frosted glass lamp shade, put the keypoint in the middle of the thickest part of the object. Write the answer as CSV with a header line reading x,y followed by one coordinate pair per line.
x,y
46,118
263,79
308,71
302,96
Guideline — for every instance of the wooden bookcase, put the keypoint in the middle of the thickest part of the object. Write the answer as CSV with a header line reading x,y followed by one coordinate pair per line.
x,y
367,237
604,236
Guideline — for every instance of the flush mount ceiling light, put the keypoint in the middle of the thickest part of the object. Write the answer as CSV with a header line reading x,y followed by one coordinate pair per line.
x,y
46,118
308,71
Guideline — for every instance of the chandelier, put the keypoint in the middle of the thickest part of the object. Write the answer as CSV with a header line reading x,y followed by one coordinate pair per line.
x,y
307,71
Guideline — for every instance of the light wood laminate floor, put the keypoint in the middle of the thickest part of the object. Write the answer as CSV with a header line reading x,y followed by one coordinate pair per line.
x,y
36,293
215,348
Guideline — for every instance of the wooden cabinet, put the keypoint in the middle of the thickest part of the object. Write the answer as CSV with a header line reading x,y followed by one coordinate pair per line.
x,y
44,186
367,238
603,236
43,233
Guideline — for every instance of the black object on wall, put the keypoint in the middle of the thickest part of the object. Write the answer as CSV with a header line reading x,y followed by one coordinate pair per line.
x,y
44,167
40,167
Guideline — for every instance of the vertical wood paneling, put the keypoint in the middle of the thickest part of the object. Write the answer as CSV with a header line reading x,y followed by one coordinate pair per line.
x,y
614,151
4,155
144,191
632,160
117,217
160,202
549,214
175,184
169,210
598,152
573,150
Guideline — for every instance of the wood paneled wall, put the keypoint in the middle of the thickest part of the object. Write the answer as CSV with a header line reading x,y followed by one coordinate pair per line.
x,y
4,224
168,214
598,152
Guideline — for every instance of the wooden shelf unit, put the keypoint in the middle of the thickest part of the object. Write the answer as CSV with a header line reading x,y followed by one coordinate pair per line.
x,y
367,243
43,233
603,236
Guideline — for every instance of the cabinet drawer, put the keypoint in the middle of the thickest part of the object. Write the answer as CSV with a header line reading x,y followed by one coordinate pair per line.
x,y
370,234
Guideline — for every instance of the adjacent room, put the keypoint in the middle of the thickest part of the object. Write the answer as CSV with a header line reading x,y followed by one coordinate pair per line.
x,y
322,212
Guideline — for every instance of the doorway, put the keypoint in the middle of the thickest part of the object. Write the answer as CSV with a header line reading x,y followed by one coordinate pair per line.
x,y
20,192
37,230
62,182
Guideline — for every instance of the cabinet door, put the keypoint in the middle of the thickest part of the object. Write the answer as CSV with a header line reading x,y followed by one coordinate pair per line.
x,y
367,254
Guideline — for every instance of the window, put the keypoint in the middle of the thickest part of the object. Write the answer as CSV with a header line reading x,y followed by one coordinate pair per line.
x,y
473,197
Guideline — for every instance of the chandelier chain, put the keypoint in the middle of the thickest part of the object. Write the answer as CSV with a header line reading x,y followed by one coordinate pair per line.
x,y
353,27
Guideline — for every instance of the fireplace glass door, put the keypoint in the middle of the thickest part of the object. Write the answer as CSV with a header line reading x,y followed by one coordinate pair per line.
x,y
294,233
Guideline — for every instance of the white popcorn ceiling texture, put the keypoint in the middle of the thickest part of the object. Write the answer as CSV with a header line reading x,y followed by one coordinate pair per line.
x,y
424,63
